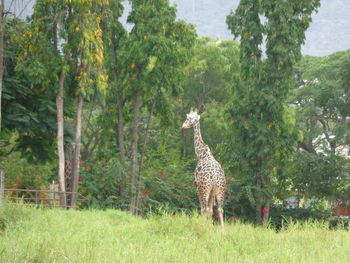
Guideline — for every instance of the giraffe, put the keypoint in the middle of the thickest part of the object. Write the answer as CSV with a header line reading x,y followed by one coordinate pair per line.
x,y
209,176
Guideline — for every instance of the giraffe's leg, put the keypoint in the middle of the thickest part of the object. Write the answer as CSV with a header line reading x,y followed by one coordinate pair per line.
x,y
220,201
201,198
204,201
204,206
211,202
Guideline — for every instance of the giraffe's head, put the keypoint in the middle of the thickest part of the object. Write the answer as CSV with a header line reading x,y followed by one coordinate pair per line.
x,y
191,119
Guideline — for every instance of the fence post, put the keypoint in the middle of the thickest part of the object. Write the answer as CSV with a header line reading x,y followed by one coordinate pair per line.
x,y
2,186
54,193
36,198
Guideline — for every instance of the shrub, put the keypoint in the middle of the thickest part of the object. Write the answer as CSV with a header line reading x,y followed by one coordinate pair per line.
x,y
317,211
100,184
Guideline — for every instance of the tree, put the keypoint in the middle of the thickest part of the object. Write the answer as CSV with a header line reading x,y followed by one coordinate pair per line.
x,y
29,113
159,48
4,13
46,54
321,99
211,72
28,124
2,24
89,60
320,176
64,53
264,138
114,34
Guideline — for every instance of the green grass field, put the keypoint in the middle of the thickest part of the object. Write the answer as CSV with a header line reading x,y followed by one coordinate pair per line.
x,y
35,235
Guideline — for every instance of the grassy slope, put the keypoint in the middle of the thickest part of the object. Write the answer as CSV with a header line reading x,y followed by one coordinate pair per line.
x,y
115,236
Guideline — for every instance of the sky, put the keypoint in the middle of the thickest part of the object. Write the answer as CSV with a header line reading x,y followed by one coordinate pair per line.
x,y
328,33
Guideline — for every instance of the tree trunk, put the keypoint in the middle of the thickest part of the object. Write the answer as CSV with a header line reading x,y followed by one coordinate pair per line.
x,y
332,143
2,186
2,27
307,146
258,199
143,153
60,140
120,124
88,147
134,151
76,156
120,128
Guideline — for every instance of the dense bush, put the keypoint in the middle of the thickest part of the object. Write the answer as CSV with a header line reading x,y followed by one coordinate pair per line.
x,y
99,183
24,175
168,182
321,175
282,216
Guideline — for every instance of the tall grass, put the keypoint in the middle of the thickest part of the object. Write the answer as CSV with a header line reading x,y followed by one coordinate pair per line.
x,y
35,235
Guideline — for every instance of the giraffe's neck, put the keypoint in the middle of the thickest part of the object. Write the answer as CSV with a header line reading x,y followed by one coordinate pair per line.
x,y
202,150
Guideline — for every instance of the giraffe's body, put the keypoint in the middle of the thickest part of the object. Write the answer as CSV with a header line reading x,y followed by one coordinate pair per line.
x,y
209,175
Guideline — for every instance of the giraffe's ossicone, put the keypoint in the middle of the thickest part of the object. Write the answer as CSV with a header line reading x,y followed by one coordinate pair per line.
x,y
209,175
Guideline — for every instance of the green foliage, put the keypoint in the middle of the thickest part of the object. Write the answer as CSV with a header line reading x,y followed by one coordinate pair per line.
x,y
113,34
65,36
168,180
156,52
99,184
321,176
40,59
239,199
211,72
323,101
27,110
23,175
211,77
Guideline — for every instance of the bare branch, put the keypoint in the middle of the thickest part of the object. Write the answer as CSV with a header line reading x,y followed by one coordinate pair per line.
x,y
331,141
25,7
